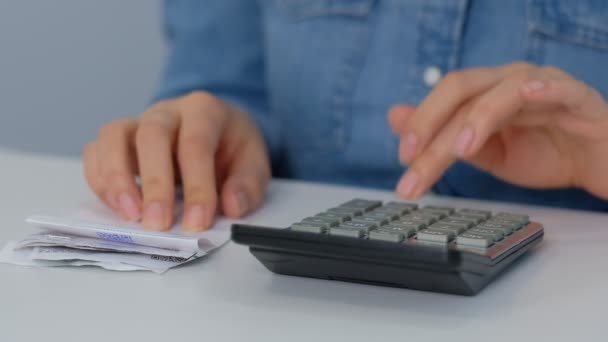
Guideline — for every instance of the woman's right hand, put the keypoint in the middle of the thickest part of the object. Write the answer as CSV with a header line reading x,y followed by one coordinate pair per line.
x,y
199,141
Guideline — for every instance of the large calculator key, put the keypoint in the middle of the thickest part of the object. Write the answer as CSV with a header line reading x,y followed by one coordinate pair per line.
x,y
449,227
496,234
352,212
339,217
402,205
476,219
382,235
474,240
372,220
506,228
435,236
348,232
513,217
365,205
425,219
381,215
363,226
484,213
414,223
458,222
445,210
406,230
390,210
309,228
514,224
330,222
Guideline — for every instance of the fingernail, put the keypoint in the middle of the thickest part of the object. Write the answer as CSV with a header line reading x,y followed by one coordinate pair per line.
x,y
463,142
408,184
195,218
242,202
110,200
128,206
533,86
154,216
409,151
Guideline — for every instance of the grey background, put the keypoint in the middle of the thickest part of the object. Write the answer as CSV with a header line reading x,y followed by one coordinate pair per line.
x,y
68,66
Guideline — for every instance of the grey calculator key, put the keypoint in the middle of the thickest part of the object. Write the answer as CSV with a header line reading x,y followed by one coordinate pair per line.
x,y
410,206
378,221
341,231
445,210
448,227
340,217
476,219
437,215
414,223
391,210
426,219
496,234
459,222
363,226
322,220
513,217
363,204
514,224
388,216
407,231
347,211
474,240
309,228
507,229
386,236
484,213
435,236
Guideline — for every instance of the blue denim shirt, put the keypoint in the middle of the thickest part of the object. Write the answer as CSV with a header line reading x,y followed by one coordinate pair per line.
x,y
318,76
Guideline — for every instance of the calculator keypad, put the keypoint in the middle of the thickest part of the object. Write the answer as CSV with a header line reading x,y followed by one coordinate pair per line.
x,y
399,222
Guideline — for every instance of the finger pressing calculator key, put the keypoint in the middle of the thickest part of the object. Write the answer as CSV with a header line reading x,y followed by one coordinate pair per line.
x,y
433,248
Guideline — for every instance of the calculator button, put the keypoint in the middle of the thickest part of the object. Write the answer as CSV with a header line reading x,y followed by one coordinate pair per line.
x,y
341,231
436,236
382,235
483,213
402,205
339,217
474,240
359,225
380,215
417,223
515,225
322,220
445,210
425,219
476,219
456,228
369,219
506,228
391,210
352,212
365,205
496,234
407,231
458,222
309,228
513,217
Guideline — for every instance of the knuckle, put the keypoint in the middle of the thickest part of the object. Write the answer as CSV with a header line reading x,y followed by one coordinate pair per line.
x,y
156,185
198,193
115,127
201,98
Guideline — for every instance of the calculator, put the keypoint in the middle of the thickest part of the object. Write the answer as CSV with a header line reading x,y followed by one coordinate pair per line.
x,y
397,244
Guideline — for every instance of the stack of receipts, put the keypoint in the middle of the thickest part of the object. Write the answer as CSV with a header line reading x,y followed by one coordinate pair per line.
x,y
94,236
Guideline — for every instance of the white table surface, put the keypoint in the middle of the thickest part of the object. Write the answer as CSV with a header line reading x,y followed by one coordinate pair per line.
x,y
559,292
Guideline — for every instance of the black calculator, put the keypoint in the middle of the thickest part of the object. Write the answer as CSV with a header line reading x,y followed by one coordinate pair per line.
x,y
429,248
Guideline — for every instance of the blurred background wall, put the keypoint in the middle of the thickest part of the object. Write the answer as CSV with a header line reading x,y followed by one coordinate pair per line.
x,y
68,66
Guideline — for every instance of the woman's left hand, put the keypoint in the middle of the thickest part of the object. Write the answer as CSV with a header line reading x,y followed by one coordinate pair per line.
x,y
532,126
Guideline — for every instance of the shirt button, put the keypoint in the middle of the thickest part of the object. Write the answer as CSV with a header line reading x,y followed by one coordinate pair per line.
x,y
432,75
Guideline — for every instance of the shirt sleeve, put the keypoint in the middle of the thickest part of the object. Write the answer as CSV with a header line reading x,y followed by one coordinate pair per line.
x,y
217,46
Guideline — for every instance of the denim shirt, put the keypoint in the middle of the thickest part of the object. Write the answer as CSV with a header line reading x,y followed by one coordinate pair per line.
x,y
318,76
